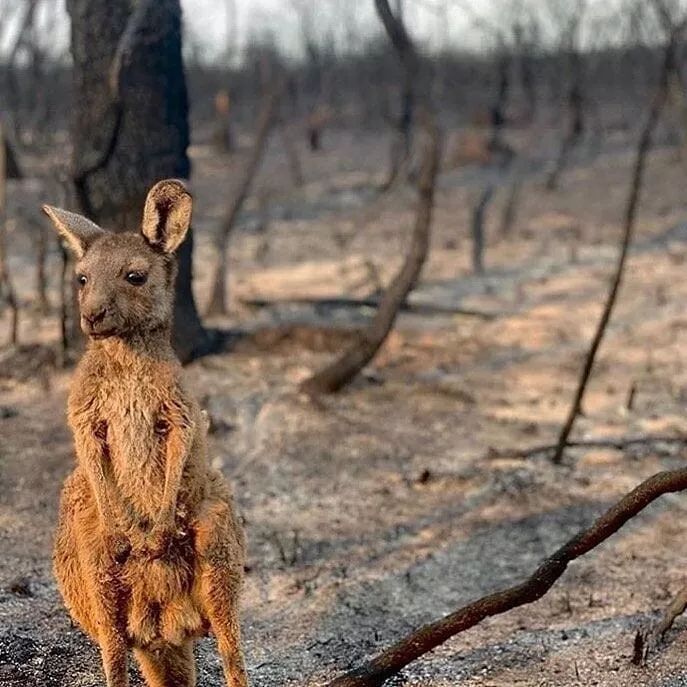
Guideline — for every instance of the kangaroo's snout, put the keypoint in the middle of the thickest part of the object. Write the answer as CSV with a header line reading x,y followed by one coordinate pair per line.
x,y
97,321
95,316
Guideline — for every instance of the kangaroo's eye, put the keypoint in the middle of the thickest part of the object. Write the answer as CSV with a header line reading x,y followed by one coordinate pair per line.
x,y
81,279
137,278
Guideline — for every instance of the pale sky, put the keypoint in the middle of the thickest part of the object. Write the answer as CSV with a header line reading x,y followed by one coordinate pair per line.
x,y
347,23
208,22
210,19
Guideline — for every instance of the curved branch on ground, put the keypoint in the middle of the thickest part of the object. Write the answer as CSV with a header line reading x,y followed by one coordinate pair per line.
x,y
423,640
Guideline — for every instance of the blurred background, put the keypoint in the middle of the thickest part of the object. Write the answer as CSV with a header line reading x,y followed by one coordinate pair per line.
x,y
443,188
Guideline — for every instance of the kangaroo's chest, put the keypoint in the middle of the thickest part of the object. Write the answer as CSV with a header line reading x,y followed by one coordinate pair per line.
x,y
128,415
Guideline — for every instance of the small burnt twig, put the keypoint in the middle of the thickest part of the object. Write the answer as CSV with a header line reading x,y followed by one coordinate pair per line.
x,y
648,638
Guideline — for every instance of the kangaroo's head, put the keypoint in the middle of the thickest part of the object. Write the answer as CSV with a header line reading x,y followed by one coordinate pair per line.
x,y
126,280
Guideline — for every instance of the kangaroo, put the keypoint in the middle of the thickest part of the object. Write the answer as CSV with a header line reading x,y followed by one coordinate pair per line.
x,y
148,554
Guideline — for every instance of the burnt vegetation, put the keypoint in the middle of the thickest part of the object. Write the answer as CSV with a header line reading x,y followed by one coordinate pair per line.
x,y
431,283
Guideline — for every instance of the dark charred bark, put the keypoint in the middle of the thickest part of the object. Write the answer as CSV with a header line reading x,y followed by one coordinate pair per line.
x,y
12,167
410,64
294,160
576,119
498,109
130,126
478,232
510,209
6,286
42,300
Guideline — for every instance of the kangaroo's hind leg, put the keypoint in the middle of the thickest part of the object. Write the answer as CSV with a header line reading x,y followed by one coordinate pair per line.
x,y
220,545
109,599
88,578
168,666
67,566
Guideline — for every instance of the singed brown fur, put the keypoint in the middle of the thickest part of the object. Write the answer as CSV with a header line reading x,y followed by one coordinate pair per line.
x,y
149,554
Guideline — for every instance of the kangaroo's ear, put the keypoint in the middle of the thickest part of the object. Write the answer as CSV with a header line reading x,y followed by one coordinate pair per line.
x,y
167,215
78,232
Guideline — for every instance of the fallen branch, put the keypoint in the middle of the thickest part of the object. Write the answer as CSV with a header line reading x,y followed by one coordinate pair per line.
x,y
344,369
643,147
344,302
423,640
620,444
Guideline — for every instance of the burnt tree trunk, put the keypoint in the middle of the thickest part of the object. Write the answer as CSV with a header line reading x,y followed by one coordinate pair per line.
x,y
342,371
576,119
130,135
478,233
12,168
6,286
268,115
643,148
410,65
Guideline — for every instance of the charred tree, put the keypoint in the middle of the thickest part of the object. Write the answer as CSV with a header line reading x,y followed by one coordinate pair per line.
x,y
130,124
410,65
6,285
498,109
576,125
268,116
575,101
12,168
294,160
510,208
526,39
42,300
478,232
643,147
343,370
499,150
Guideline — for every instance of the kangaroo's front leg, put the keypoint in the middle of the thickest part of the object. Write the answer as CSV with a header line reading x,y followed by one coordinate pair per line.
x,y
177,429
94,454
105,557
109,604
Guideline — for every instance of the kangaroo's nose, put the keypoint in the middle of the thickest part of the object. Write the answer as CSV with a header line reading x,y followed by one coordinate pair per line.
x,y
95,316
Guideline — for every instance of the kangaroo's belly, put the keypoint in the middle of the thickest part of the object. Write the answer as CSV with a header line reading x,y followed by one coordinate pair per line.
x,y
164,603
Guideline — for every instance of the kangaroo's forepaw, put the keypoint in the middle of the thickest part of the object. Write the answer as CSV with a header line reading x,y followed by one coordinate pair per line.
x,y
157,544
118,546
